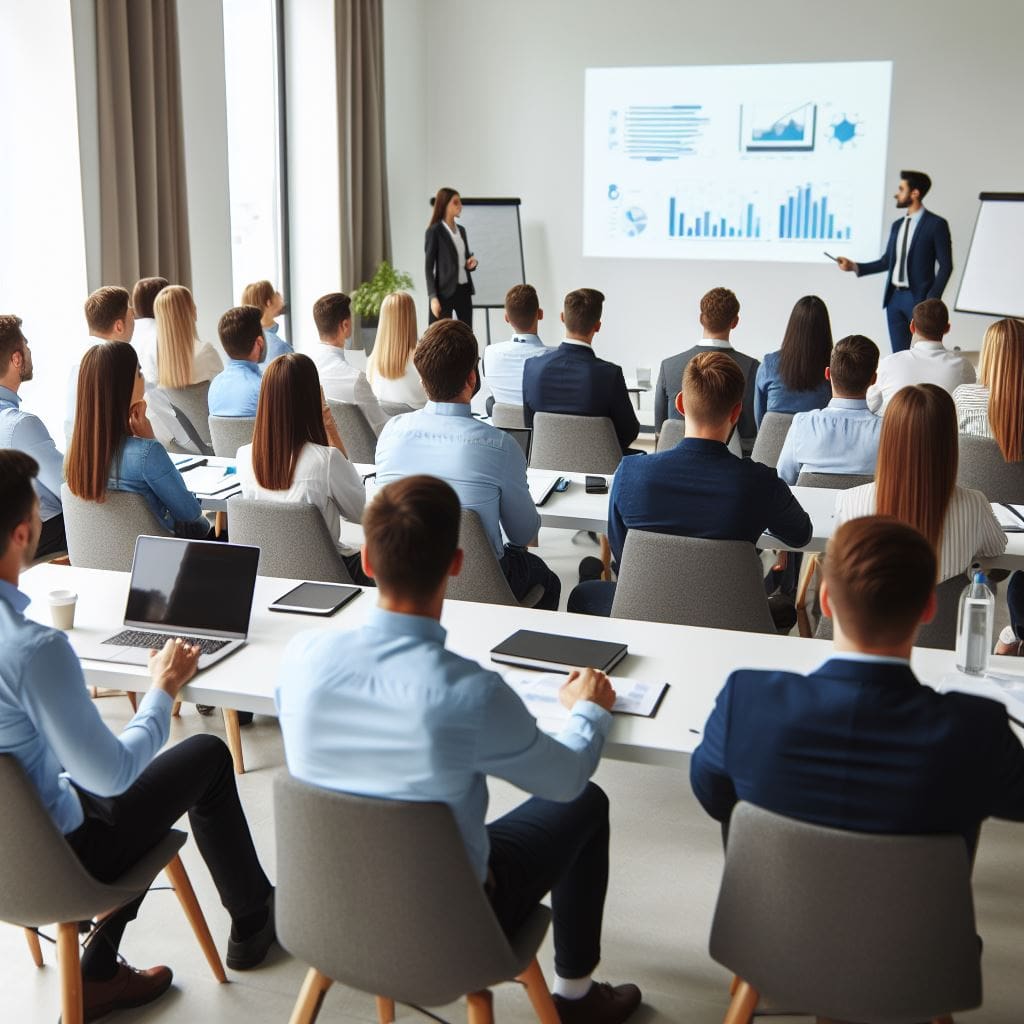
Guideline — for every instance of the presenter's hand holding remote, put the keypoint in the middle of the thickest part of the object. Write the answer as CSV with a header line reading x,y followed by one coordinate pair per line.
x,y
172,667
845,264
587,684
471,263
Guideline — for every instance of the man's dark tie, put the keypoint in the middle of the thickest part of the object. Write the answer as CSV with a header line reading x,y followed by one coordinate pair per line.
x,y
902,275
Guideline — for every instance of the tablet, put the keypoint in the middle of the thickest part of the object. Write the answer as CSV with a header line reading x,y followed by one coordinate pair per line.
x,y
315,598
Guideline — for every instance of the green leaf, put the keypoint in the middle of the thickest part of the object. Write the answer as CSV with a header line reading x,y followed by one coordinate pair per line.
x,y
368,297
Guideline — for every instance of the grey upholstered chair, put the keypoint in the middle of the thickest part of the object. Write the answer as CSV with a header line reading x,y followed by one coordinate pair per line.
x,y
670,435
691,581
42,882
481,578
395,408
838,481
380,895
229,433
771,435
356,433
578,444
983,467
102,534
191,406
847,926
505,415
292,536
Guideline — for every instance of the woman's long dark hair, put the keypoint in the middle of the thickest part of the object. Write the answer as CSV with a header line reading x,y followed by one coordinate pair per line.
x,y
806,345
441,200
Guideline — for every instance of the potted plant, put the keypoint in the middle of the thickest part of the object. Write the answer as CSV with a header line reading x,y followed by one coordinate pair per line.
x,y
368,297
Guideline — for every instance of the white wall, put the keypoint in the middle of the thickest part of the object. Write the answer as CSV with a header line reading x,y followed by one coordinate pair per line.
x,y
488,97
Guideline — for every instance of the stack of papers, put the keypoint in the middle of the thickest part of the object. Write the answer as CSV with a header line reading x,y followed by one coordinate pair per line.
x,y
210,481
1010,517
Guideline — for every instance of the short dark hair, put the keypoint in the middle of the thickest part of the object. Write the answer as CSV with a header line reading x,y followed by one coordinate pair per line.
x,y
17,495
238,330
713,385
444,357
11,339
581,310
931,318
144,295
880,573
411,533
853,364
105,307
521,306
718,309
330,312
918,180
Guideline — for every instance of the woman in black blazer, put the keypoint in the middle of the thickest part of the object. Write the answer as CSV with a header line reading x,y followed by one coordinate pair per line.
x,y
449,261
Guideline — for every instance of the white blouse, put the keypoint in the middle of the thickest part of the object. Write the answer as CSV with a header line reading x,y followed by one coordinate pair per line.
x,y
323,477
970,528
972,410
407,389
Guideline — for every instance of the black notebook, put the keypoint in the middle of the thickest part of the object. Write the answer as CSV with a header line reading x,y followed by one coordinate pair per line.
x,y
547,650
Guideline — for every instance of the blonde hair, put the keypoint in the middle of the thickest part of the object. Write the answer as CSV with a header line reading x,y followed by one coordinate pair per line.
x,y
175,314
396,337
257,294
1002,372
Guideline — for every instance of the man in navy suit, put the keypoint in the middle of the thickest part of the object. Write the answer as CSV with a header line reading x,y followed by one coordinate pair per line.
x,y
571,380
918,258
860,744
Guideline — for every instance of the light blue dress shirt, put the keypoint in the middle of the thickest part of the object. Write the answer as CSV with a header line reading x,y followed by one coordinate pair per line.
x,y
484,465
276,345
48,722
772,395
841,438
503,366
387,712
235,391
26,433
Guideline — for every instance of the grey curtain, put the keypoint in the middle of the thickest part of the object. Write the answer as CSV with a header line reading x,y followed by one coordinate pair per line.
x,y
365,223
143,203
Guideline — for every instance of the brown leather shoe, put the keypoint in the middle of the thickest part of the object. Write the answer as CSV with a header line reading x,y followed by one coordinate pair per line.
x,y
128,987
603,1004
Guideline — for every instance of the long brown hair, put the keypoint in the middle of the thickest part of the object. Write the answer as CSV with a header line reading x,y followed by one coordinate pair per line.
x,y
288,415
106,380
396,337
441,200
175,313
917,459
806,345
1002,371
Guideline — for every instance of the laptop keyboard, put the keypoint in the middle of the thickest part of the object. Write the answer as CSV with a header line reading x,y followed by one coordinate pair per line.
x,y
140,638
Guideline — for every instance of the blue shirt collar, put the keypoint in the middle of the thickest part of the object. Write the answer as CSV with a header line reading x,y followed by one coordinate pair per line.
x,y
14,597
848,403
449,409
869,659
400,624
7,395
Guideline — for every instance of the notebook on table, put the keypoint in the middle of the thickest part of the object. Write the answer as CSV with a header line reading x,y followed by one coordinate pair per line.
x,y
531,649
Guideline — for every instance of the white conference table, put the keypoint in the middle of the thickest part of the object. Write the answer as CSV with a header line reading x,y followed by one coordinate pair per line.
x,y
695,661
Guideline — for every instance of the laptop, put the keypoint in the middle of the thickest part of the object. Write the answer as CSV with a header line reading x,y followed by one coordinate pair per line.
x,y
199,590
523,436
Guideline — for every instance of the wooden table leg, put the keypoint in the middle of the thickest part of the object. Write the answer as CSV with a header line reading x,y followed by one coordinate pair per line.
x,y
187,898
234,735
311,997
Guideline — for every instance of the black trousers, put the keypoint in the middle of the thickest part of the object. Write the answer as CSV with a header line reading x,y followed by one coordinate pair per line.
x,y
525,570
195,776
543,846
461,304
52,540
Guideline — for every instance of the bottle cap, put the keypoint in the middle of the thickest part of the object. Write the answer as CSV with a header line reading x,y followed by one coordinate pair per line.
x,y
979,577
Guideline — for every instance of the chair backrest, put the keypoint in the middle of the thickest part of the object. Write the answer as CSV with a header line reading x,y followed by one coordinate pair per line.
x,y
505,415
982,466
672,432
838,481
395,408
481,578
848,925
580,444
191,406
292,536
380,895
356,433
691,581
102,534
771,435
229,433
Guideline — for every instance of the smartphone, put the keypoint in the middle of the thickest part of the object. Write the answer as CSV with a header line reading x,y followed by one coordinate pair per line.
x,y
596,485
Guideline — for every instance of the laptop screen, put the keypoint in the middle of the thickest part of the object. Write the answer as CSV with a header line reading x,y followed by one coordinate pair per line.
x,y
192,585
523,436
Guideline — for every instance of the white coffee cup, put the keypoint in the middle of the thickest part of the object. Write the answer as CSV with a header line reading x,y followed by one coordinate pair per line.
x,y
62,608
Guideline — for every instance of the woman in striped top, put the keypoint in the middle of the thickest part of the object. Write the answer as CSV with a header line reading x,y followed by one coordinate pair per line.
x,y
994,407
916,482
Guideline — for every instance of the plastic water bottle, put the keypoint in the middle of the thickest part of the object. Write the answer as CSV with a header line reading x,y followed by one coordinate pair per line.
x,y
974,626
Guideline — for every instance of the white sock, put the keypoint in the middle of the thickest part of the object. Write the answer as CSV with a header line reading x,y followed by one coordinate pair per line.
x,y
572,988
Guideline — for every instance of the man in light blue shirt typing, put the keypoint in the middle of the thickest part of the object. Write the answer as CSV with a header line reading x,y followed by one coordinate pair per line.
x,y
235,391
842,437
503,362
388,712
484,465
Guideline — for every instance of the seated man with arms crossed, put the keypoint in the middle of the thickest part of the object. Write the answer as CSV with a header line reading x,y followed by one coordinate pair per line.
x,y
699,488
503,362
485,465
387,711
235,391
842,437
111,796
860,744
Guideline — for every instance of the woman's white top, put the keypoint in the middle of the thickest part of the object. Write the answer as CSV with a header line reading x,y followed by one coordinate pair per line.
x,y
206,362
323,477
970,528
972,410
460,249
407,389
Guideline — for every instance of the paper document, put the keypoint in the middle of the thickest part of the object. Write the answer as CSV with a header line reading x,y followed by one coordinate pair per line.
x,y
541,486
210,480
1009,517
539,692
1004,687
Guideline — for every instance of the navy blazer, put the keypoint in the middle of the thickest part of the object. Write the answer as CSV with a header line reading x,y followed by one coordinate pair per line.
x,y
929,245
571,380
860,746
442,261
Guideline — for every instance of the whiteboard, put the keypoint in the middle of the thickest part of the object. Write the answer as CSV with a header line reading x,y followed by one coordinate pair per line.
x,y
993,277
493,229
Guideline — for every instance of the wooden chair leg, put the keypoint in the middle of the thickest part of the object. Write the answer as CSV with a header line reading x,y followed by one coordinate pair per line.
x,y
480,1007
234,735
942,1020
385,1010
33,947
175,871
744,1003
70,973
311,997
220,522
133,699
94,692
176,709
606,556
537,991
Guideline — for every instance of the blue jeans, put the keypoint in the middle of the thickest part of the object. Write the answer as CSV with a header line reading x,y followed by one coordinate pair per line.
x,y
525,570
